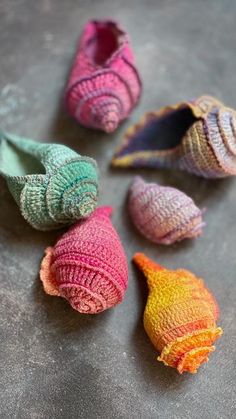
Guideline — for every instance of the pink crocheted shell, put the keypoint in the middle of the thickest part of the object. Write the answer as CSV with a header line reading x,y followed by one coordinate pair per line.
x,y
87,266
104,84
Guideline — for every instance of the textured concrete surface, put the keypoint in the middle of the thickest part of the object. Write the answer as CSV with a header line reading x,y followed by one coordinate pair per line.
x,y
56,363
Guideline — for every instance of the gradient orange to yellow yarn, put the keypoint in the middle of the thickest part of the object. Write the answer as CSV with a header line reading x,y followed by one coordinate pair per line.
x,y
180,316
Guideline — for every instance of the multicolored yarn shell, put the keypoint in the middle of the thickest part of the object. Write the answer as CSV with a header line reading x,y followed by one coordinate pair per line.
x,y
163,214
104,84
180,316
197,136
52,184
87,266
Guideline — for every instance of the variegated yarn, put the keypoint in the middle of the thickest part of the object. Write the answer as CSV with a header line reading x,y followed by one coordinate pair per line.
x,y
104,84
52,184
180,316
163,214
198,136
87,266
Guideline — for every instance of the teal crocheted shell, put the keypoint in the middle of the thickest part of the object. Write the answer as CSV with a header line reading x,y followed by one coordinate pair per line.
x,y
52,184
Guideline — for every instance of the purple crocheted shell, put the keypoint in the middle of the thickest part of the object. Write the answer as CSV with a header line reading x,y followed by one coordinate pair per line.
x,y
197,136
104,84
163,214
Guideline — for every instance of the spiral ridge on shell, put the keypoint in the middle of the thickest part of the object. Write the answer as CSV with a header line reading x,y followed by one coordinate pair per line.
x,y
180,316
163,214
101,94
197,136
65,190
87,266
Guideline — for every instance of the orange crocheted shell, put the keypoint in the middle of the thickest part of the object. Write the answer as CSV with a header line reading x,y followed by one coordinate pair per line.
x,y
180,316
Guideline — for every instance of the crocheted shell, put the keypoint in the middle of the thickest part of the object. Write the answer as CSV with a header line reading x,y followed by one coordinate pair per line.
x,y
180,316
163,214
197,136
87,266
52,184
104,84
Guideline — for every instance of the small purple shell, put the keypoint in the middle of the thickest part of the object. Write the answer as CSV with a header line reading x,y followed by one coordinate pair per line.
x,y
162,214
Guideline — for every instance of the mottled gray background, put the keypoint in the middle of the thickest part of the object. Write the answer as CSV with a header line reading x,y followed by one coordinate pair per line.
x,y
56,363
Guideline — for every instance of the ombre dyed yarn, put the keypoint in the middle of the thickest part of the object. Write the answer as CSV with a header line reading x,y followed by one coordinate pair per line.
x,y
52,184
104,84
180,316
197,136
163,214
87,266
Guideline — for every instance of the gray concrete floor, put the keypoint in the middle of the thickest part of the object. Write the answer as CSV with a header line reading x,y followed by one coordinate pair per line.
x,y
56,363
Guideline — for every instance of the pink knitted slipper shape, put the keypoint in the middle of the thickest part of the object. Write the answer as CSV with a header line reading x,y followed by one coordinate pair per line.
x,y
104,84
87,266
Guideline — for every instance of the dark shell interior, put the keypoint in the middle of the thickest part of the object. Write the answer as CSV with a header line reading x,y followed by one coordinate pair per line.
x,y
103,44
161,133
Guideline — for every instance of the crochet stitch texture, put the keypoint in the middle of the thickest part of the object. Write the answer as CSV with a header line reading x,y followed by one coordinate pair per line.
x,y
163,214
197,136
52,184
87,266
104,84
180,316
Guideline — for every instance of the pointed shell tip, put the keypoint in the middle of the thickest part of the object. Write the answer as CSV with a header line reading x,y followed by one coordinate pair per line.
x,y
110,126
144,262
105,210
138,179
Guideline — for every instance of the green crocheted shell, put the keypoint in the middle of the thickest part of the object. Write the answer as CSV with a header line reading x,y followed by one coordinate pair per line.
x,y
52,184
